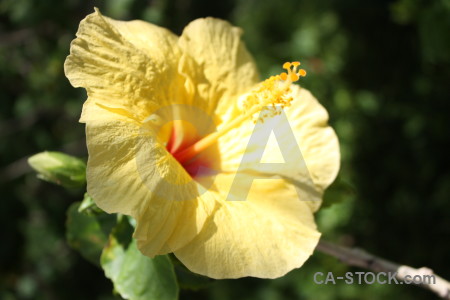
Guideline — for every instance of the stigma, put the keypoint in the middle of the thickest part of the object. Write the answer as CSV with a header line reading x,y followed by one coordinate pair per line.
x,y
272,95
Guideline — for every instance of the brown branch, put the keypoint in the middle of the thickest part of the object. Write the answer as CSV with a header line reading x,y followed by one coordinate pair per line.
x,y
360,258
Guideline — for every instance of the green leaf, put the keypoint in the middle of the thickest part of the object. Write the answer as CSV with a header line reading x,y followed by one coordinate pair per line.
x,y
136,276
59,168
88,234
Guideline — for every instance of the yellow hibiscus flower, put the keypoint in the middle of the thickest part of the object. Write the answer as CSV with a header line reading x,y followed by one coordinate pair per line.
x,y
177,132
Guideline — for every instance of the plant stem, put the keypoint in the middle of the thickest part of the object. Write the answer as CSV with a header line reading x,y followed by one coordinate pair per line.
x,y
361,258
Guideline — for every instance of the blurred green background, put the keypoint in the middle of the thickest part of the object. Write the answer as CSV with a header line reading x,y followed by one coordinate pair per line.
x,y
381,68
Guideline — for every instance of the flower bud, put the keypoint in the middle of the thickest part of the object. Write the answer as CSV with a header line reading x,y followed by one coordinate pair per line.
x,y
59,168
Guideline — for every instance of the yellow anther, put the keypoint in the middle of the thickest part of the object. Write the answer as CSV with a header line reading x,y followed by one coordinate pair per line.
x,y
302,72
294,77
292,73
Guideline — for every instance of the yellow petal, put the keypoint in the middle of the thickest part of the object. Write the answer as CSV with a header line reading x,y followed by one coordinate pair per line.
x,y
265,236
316,140
127,65
129,172
216,64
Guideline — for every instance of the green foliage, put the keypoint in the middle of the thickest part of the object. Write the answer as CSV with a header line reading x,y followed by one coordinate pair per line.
x,y
136,276
88,206
105,240
88,234
339,191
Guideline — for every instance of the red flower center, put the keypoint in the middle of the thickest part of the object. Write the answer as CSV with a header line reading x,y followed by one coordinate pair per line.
x,y
201,164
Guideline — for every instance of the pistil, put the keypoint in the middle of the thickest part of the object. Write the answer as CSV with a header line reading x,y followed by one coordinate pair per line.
x,y
269,93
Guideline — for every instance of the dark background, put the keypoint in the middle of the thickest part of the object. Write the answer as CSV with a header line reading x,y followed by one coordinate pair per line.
x,y
381,68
